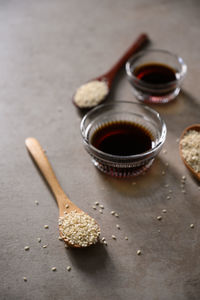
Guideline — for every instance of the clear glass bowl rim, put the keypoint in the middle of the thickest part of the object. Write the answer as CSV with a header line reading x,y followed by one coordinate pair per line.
x,y
142,53
141,156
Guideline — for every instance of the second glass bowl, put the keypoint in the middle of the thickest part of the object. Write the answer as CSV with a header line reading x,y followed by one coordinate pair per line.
x,y
156,75
128,112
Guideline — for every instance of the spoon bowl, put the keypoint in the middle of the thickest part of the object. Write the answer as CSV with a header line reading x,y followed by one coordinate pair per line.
x,y
195,127
107,78
65,205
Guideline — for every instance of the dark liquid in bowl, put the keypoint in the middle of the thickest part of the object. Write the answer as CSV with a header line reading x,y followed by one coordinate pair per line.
x,y
154,73
122,138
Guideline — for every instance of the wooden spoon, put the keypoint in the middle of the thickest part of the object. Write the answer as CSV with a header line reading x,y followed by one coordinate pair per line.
x,y
195,127
43,164
109,76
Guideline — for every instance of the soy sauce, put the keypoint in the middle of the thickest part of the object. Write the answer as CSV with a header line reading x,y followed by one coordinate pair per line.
x,y
154,73
122,138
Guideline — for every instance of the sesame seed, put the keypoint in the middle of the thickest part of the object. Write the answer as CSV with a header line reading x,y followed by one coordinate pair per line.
x,y
118,227
164,151
101,206
103,239
116,215
46,226
66,246
25,278
164,211
94,207
101,211
26,248
177,140
166,185
67,206
133,183
159,218
168,197
126,238
114,237
170,191
60,238
53,269
105,243
191,225
166,164
36,202
96,203
112,212
184,177
183,191
39,240
139,252
163,172
68,268
45,246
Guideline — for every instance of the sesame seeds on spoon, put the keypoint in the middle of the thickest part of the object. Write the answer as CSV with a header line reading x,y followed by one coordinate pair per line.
x,y
189,148
76,227
95,91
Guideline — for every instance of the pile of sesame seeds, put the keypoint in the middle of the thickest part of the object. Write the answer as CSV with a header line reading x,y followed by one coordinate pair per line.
x,y
91,93
190,147
77,228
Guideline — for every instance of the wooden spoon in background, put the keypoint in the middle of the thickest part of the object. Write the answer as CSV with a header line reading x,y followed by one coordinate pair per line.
x,y
195,127
109,76
43,164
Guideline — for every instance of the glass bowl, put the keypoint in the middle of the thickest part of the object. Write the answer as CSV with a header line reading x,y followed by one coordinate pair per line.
x,y
123,111
163,88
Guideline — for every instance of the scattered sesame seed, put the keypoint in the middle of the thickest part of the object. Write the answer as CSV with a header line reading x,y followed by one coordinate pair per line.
x,y
114,237
163,172
25,278
184,177
118,227
66,246
177,140
159,218
166,185
159,230
26,248
96,203
139,252
168,197
67,205
103,239
166,164
170,191
191,225
112,212
116,215
105,243
68,268
46,226
45,246
53,269
94,207
126,238
164,151
101,211
183,191
164,211
36,202
101,206
39,240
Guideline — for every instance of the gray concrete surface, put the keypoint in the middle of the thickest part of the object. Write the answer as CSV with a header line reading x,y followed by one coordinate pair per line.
x,y
47,49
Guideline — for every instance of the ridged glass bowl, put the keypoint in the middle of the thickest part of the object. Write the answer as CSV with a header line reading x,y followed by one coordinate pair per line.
x,y
137,113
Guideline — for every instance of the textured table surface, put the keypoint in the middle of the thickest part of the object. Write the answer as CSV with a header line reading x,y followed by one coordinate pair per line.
x,y
47,49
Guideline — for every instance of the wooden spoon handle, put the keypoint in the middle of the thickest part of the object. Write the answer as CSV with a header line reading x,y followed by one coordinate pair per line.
x,y
140,42
43,164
